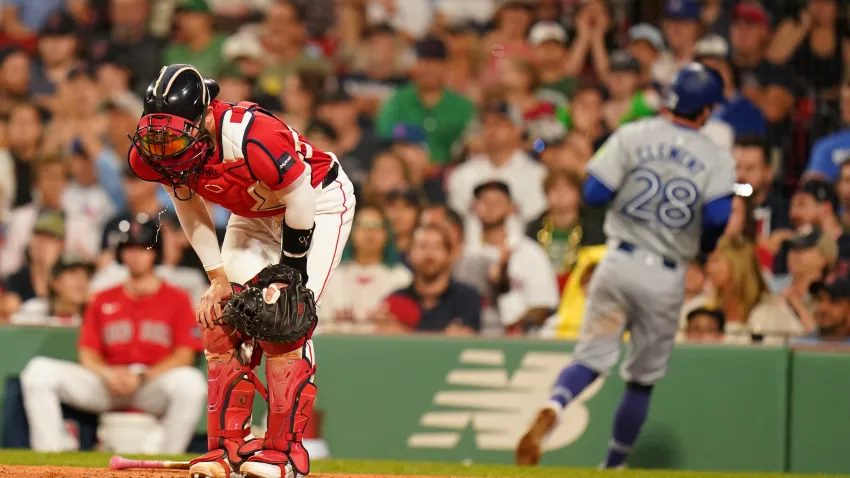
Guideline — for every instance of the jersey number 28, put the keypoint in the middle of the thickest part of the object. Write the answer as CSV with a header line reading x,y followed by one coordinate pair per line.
x,y
674,208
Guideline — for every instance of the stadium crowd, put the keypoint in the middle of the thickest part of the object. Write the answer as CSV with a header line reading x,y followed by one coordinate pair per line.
x,y
466,126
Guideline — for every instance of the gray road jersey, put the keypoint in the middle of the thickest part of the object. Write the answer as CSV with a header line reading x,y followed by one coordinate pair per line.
x,y
663,174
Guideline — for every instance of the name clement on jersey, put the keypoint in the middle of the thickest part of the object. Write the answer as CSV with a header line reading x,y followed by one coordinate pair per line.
x,y
669,152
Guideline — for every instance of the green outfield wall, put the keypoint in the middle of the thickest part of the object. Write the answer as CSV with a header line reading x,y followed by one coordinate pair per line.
x,y
444,399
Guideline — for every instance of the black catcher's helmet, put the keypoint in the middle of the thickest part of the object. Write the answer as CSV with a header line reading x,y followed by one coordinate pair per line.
x,y
171,137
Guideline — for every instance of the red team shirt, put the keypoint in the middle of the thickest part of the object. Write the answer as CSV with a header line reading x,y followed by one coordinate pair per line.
x,y
274,156
128,330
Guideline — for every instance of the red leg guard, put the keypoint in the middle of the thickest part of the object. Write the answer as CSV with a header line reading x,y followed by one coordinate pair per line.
x,y
230,396
291,397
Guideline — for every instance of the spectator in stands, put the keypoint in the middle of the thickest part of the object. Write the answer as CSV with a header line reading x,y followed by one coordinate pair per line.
x,y
520,82
565,156
287,51
815,46
77,115
410,143
842,189
470,269
302,92
740,115
234,84
811,259
356,146
477,13
428,104
411,18
433,302
766,84
378,69
22,19
42,250
626,102
68,294
86,197
682,29
199,45
832,314
585,116
388,173
832,151
553,63
14,78
137,347
129,34
114,75
507,40
360,285
464,61
57,51
695,278
770,209
740,292
402,208
705,325
503,160
646,43
593,25
559,230
815,205
524,287
50,183
25,135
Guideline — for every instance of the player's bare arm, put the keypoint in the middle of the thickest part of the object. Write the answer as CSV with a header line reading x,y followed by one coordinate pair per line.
x,y
200,230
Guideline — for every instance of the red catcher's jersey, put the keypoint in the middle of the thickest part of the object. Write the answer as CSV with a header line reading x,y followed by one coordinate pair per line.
x,y
256,153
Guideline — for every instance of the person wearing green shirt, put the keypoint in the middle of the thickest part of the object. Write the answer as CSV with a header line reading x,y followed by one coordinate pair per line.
x,y
549,40
428,104
200,46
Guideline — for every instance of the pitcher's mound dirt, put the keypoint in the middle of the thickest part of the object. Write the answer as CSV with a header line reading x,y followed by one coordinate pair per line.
x,y
74,472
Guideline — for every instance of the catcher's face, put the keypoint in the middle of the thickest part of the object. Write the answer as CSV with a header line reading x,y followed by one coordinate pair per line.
x,y
174,147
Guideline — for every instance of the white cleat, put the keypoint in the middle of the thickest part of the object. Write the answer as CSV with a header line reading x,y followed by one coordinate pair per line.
x,y
208,469
256,469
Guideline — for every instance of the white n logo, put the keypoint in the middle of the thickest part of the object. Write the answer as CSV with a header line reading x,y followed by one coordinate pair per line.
x,y
500,407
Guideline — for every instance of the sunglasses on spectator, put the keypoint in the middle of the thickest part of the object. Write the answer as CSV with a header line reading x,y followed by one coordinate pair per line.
x,y
371,225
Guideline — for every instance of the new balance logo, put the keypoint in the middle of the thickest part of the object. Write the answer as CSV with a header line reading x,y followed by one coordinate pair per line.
x,y
498,406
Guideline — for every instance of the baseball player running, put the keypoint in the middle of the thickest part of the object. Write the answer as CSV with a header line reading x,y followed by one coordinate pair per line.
x,y
666,185
292,209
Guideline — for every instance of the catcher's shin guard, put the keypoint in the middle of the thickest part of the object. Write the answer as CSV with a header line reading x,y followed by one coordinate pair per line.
x,y
230,400
291,396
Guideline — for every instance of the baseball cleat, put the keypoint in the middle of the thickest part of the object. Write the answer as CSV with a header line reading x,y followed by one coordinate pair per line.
x,y
214,464
255,469
530,447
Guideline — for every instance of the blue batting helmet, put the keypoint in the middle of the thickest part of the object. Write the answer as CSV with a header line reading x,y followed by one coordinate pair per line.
x,y
694,88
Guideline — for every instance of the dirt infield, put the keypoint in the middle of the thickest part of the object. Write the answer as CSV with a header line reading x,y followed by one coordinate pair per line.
x,y
75,472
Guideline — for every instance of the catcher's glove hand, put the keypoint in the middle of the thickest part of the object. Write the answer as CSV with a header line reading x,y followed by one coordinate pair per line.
x,y
288,319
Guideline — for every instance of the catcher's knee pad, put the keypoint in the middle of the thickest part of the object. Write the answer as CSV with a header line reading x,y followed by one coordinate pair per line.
x,y
220,339
291,396
230,401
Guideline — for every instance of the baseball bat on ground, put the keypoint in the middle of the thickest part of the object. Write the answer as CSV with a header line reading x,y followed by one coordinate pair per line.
x,y
121,463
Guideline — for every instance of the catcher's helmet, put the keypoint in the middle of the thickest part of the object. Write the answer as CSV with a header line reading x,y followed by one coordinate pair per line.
x,y
171,137
141,231
694,88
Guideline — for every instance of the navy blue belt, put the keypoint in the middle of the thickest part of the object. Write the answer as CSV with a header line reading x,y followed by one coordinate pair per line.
x,y
629,248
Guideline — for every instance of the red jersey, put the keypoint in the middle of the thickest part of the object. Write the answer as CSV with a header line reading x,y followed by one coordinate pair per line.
x,y
256,153
127,330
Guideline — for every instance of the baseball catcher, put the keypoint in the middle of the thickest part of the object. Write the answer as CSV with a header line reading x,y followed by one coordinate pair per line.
x,y
292,207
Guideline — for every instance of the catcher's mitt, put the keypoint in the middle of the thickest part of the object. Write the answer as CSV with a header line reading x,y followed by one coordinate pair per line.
x,y
287,320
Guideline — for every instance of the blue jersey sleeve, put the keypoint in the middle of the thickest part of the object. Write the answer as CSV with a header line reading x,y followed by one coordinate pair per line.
x,y
595,192
821,161
715,216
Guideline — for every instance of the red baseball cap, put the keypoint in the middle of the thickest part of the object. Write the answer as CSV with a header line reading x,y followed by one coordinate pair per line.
x,y
751,13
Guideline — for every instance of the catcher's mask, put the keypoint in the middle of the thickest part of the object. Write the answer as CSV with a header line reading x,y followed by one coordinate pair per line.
x,y
170,137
